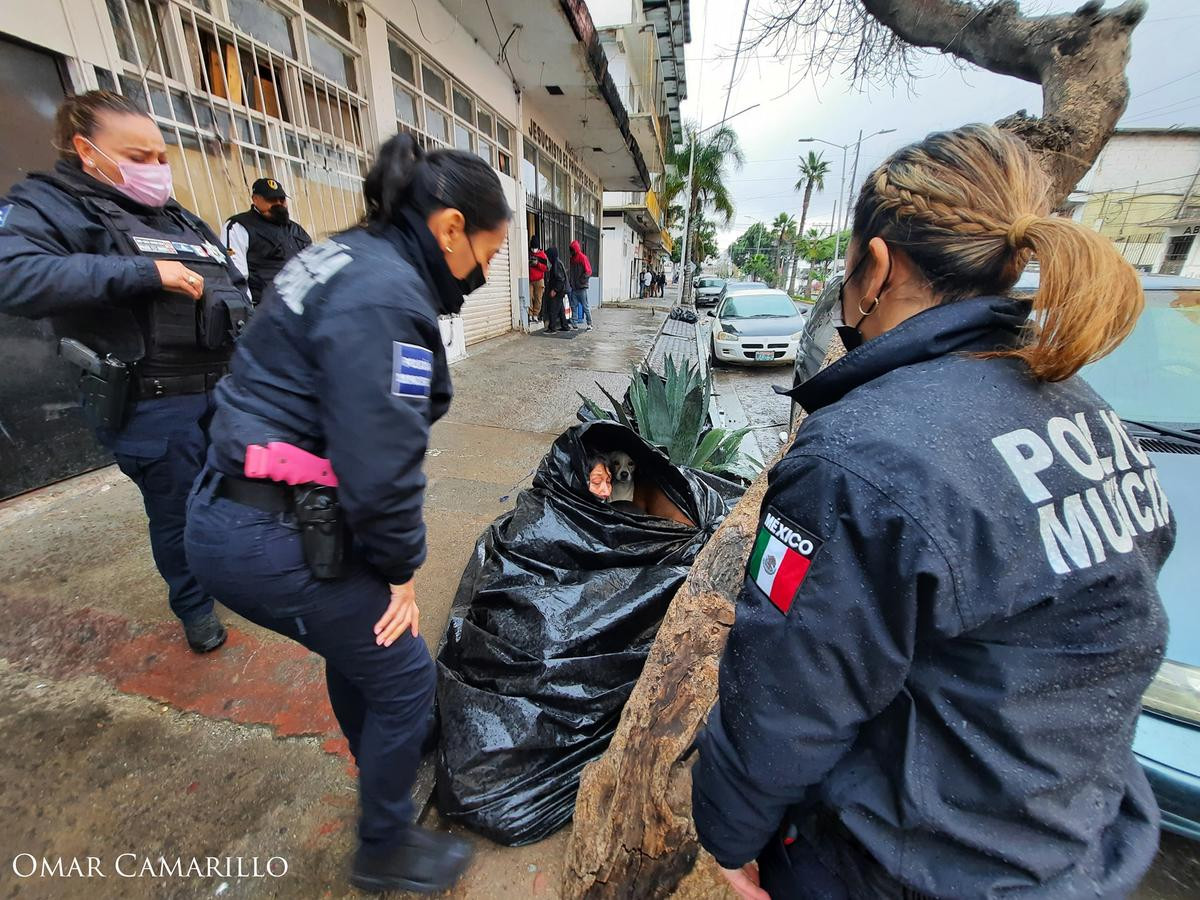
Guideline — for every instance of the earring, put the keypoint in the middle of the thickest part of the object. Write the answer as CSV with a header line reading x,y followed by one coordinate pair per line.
x,y
449,249
865,313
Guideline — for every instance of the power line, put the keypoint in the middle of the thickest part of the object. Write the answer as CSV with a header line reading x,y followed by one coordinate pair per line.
x,y
736,53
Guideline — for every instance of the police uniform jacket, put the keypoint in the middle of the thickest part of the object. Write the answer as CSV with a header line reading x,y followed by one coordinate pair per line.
x,y
946,627
61,258
345,359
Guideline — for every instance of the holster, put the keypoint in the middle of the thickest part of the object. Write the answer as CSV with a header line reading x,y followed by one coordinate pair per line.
x,y
322,530
105,402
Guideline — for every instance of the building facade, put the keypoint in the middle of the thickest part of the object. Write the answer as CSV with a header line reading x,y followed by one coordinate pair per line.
x,y
643,41
1144,192
304,91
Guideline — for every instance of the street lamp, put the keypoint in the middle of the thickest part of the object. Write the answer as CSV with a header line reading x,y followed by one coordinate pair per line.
x,y
837,240
687,212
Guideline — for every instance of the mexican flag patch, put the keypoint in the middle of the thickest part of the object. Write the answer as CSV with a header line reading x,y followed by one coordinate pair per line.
x,y
781,557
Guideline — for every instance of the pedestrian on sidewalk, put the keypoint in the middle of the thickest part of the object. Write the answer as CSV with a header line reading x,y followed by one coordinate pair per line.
x,y
100,249
346,359
925,693
647,279
557,296
581,273
538,264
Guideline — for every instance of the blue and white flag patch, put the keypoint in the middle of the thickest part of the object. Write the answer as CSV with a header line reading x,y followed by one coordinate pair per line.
x,y
412,370
4,211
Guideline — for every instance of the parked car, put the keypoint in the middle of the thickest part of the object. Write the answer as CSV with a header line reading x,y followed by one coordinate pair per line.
x,y
708,289
758,326
1152,380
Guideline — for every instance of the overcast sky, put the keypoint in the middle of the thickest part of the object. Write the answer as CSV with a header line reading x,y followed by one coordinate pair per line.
x,y
1164,78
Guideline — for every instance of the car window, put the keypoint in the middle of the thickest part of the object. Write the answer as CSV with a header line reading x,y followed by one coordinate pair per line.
x,y
1154,375
747,306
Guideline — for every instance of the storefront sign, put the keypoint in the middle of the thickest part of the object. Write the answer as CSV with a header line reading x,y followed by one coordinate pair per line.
x,y
561,156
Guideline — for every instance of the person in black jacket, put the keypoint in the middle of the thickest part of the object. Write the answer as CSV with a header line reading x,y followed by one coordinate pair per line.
x,y
345,360
264,237
950,612
99,247
557,287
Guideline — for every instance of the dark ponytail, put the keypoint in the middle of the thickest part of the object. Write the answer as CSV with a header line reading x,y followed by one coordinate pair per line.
x,y
404,176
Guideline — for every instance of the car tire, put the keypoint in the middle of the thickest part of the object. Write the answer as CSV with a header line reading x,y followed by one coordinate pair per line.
x,y
717,362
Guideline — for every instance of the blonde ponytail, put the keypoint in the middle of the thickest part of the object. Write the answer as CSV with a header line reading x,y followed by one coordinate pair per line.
x,y
970,208
1087,302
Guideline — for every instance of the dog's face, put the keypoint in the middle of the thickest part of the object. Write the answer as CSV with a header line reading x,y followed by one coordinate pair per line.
x,y
621,466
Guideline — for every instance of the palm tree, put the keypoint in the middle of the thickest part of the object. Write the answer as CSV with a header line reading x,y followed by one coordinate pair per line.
x,y
812,243
716,153
812,175
781,230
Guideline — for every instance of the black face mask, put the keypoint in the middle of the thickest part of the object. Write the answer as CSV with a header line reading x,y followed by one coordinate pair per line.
x,y
851,337
279,215
475,279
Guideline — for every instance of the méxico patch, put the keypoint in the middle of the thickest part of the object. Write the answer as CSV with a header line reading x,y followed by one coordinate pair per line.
x,y
780,560
412,370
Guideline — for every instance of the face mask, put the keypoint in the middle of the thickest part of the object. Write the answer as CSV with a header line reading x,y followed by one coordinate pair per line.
x,y
145,183
851,337
279,215
475,278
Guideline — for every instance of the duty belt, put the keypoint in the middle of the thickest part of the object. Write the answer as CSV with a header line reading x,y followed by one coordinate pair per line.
x,y
146,387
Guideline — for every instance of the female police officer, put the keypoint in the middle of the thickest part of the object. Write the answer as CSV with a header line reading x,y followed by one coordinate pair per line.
x,y
99,247
345,359
950,613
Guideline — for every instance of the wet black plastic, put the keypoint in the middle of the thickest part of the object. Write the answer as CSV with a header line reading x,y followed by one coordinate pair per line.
x,y
552,623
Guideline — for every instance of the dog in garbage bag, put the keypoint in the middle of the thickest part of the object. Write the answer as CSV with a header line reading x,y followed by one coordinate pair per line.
x,y
551,626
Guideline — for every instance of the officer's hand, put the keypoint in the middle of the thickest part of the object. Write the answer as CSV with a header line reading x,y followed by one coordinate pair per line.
x,y
745,882
401,613
177,277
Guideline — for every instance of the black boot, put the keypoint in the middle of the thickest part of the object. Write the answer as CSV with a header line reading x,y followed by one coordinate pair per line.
x,y
426,862
205,634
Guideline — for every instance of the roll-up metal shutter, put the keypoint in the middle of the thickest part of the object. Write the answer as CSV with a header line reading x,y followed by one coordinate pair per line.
x,y
488,312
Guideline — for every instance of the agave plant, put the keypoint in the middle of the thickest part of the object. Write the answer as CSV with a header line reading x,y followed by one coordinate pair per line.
x,y
671,412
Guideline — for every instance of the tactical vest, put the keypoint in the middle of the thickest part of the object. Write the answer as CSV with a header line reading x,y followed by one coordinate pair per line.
x,y
180,335
270,246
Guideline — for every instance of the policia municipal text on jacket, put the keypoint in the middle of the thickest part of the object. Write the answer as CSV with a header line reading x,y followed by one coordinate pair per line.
x,y
950,613
144,297
345,360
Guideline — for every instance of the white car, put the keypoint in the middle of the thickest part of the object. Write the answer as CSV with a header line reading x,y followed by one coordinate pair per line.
x,y
756,327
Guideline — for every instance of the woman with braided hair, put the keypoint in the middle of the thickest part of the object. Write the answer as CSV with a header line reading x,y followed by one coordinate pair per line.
x,y
950,612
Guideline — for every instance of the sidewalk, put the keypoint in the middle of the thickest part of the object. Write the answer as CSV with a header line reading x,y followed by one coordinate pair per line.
x,y
119,740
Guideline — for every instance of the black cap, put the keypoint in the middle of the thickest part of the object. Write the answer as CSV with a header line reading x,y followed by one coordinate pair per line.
x,y
268,189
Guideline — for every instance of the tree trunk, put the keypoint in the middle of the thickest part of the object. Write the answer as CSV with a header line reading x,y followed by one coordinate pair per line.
x,y
808,189
633,835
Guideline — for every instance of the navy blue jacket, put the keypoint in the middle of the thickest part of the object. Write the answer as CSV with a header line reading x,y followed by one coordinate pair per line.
x,y
59,261
345,359
939,657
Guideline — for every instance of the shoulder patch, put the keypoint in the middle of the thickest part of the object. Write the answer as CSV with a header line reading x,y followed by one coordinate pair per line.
x,y
412,371
780,559
4,211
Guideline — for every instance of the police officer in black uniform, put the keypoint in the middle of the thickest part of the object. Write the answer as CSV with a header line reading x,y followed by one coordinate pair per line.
x,y
345,360
264,237
145,299
950,612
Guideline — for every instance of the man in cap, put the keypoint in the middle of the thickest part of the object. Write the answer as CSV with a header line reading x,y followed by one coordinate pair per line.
x,y
264,237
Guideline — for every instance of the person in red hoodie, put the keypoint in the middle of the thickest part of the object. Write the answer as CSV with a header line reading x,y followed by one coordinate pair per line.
x,y
581,271
537,283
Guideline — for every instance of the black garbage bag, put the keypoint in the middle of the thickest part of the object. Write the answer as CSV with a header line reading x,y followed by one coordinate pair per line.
x,y
551,626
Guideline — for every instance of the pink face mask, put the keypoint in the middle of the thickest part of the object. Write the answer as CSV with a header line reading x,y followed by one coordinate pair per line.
x,y
145,183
